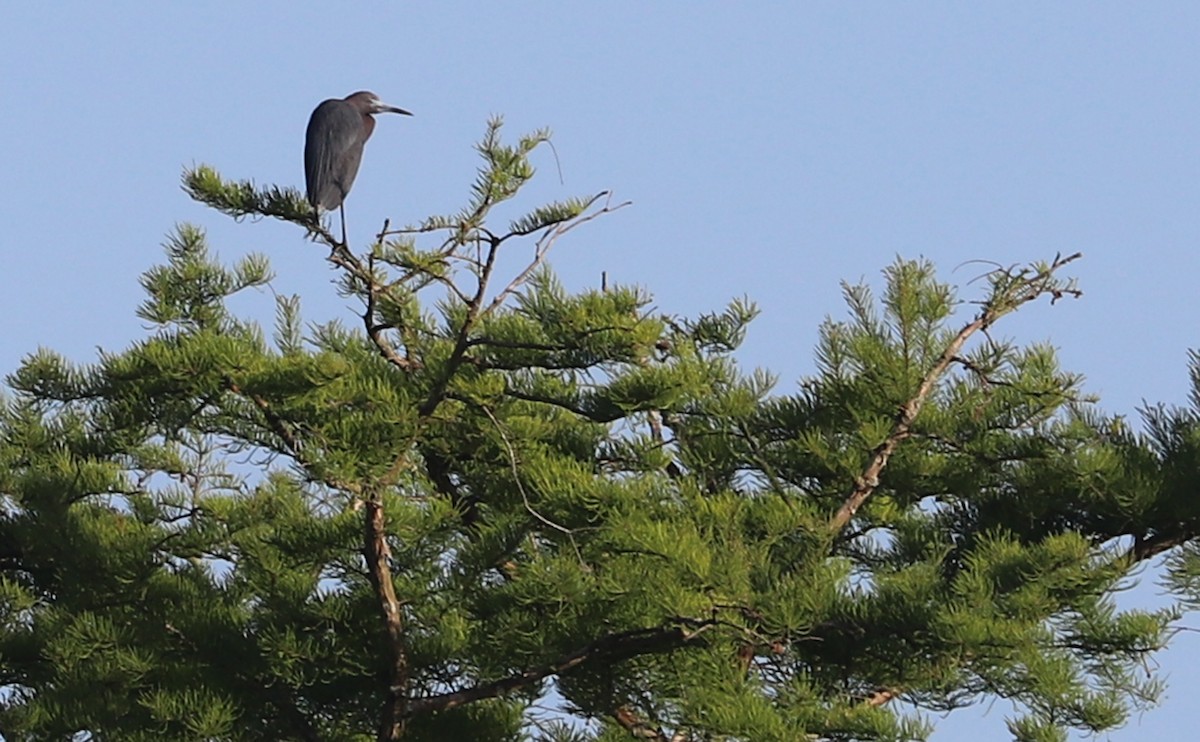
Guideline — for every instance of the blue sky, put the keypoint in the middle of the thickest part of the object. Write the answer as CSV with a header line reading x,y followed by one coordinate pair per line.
x,y
770,150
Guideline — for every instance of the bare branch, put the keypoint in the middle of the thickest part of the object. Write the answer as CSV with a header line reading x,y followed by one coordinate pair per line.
x,y
881,697
547,241
638,727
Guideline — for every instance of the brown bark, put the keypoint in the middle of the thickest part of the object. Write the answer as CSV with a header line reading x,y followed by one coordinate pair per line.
x,y
377,554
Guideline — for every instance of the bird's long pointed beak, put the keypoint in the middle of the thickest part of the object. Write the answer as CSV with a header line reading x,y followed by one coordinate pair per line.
x,y
393,109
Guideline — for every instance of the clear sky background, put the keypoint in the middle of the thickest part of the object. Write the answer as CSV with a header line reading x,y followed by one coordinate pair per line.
x,y
770,150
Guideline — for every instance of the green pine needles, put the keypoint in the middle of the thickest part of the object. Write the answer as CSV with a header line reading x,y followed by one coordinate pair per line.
x,y
490,508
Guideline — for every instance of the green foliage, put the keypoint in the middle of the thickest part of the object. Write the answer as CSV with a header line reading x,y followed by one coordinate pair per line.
x,y
494,488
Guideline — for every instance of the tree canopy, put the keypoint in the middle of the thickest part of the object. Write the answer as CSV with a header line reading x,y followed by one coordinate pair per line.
x,y
491,508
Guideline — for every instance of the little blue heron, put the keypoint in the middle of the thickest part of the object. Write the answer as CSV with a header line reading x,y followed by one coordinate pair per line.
x,y
333,147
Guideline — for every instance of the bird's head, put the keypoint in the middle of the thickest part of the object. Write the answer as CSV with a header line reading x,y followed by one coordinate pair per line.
x,y
368,103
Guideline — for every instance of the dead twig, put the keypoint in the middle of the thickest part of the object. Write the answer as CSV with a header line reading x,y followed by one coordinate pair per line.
x,y
547,240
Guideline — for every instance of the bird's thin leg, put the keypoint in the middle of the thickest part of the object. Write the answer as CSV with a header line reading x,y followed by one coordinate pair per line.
x,y
342,211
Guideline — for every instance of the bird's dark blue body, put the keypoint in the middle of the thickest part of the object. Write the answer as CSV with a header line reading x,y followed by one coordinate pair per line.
x,y
333,147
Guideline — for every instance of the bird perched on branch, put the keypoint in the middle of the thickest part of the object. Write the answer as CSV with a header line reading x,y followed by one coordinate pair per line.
x,y
333,147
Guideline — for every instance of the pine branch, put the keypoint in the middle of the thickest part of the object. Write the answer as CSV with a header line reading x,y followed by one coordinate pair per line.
x,y
274,422
463,339
607,649
341,256
293,445
279,695
438,469
515,468
561,404
1011,289
375,329
518,345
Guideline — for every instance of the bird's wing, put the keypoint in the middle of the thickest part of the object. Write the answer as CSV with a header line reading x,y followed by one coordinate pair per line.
x,y
335,131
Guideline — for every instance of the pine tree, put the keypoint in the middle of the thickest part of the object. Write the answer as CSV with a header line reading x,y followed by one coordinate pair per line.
x,y
494,509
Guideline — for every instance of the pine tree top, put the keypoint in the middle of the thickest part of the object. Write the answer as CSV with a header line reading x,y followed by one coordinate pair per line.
x,y
489,495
